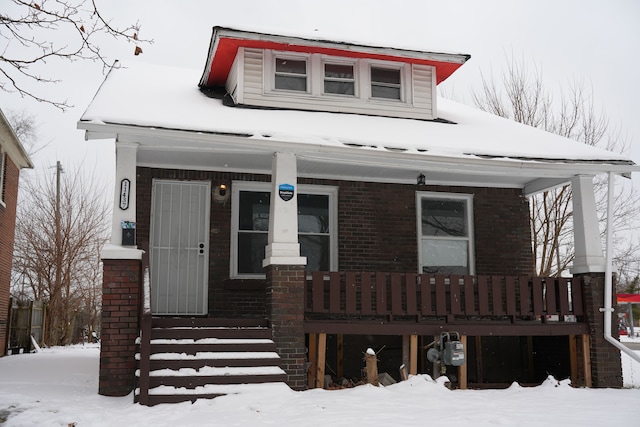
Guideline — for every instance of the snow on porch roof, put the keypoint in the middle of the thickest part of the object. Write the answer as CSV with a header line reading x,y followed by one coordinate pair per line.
x,y
226,41
163,97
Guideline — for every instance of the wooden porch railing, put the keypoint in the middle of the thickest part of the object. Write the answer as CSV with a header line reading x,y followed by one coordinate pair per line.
x,y
367,294
145,340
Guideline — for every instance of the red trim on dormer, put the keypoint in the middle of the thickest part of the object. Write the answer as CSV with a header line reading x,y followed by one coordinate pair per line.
x,y
228,48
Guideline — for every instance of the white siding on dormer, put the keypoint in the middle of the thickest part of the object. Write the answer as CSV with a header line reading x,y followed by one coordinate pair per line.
x,y
423,77
255,88
253,65
232,80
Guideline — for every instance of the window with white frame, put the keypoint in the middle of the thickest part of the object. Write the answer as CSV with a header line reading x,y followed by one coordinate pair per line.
x,y
317,227
386,83
318,75
445,233
290,74
339,79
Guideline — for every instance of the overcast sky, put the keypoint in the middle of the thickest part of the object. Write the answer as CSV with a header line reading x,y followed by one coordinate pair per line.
x,y
591,41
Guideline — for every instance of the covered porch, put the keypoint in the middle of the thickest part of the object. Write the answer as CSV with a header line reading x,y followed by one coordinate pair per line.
x,y
419,306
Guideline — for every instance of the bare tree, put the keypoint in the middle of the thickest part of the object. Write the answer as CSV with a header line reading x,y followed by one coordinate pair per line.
x,y
59,229
28,34
26,128
520,95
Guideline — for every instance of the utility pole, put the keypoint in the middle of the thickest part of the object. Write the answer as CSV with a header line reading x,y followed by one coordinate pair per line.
x,y
58,171
56,296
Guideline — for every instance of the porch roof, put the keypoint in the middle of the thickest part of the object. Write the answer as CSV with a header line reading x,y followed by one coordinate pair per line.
x,y
176,125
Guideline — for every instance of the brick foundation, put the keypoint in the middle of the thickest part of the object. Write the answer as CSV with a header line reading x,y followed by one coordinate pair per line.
x,y
606,367
285,308
120,314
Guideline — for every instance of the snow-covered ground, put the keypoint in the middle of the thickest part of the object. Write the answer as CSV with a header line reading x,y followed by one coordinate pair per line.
x,y
58,387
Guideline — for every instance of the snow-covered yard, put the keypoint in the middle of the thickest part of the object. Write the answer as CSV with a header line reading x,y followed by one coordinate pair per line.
x,y
58,387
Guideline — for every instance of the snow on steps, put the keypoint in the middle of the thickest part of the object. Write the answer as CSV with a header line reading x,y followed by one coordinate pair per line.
x,y
205,358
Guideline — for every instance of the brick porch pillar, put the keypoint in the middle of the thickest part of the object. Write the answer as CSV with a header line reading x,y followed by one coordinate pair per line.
x,y
285,308
606,367
590,264
121,284
284,268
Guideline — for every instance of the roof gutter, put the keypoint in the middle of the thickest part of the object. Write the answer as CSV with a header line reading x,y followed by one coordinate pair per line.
x,y
608,279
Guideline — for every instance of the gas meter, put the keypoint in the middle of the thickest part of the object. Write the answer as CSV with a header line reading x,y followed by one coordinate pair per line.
x,y
447,350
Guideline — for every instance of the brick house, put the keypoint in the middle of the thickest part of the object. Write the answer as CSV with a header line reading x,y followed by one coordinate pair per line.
x,y
310,198
13,157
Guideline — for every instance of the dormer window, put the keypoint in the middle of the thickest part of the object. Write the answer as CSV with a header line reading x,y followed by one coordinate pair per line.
x,y
386,83
342,84
291,74
339,79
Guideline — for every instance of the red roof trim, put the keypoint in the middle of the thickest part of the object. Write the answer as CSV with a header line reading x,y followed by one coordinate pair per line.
x,y
228,48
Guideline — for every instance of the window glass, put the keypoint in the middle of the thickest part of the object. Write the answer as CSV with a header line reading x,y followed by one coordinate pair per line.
x,y
444,217
251,252
313,213
291,74
254,211
385,83
339,79
314,233
316,249
445,235
445,257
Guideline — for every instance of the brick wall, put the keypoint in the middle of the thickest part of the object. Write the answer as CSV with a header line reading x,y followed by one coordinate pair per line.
x,y
7,235
285,309
606,366
120,313
376,231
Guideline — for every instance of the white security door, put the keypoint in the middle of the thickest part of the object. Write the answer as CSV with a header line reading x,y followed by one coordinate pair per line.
x,y
179,247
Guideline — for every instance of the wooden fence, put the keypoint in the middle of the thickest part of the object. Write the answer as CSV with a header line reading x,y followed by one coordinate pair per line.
x,y
428,296
26,320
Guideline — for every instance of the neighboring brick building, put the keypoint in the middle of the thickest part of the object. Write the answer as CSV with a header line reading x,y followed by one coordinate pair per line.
x,y
324,186
12,158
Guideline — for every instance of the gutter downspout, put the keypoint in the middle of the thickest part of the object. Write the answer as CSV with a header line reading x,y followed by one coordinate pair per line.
x,y
608,279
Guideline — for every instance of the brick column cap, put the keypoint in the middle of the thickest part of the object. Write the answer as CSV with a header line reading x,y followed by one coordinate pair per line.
x,y
111,251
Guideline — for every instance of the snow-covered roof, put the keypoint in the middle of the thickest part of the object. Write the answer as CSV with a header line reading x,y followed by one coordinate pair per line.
x,y
11,144
226,41
162,106
380,40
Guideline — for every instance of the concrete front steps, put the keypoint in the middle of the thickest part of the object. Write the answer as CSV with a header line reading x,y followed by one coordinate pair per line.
x,y
196,358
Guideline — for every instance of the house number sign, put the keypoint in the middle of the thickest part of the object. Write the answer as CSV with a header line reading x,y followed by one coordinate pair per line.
x,y
125,186
286,191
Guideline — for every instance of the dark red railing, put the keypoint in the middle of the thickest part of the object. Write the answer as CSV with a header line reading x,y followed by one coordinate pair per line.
x,y
426,295
145,341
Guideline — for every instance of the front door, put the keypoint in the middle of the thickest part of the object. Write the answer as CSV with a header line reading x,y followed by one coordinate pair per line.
x,y
179,247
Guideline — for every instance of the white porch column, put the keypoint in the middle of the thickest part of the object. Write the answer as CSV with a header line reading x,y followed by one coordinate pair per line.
x,y
124,207
589,257
282,245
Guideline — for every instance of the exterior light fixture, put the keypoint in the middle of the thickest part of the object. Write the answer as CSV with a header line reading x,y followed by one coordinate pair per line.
x,y
222,190
421,179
